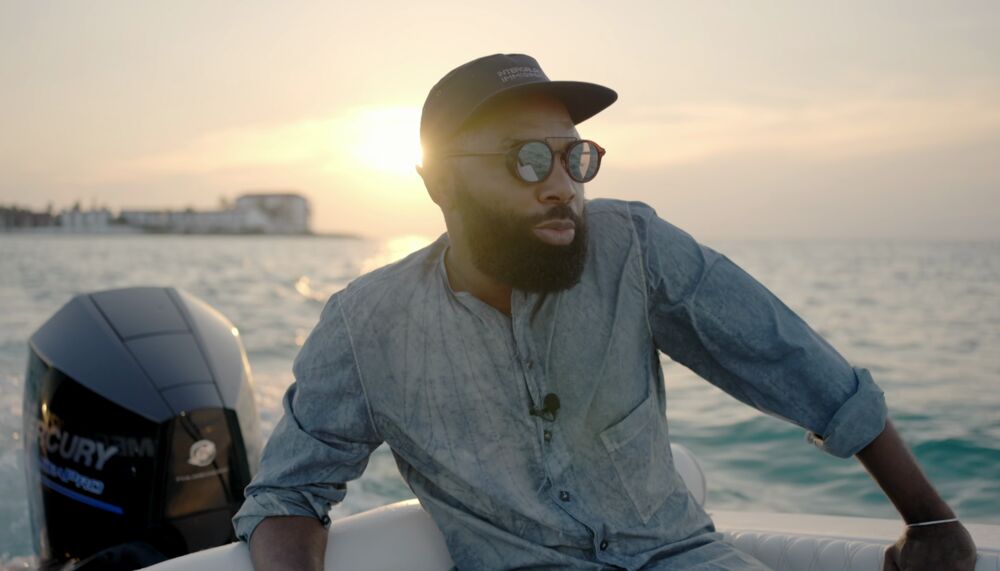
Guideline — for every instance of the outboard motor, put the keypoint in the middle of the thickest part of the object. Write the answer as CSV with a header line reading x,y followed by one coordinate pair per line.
x,y
140,428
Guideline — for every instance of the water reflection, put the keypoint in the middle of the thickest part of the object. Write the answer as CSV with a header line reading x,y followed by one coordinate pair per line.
x,y
395,249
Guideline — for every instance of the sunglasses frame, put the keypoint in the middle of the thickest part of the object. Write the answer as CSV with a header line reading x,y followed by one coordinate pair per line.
x,y
516,150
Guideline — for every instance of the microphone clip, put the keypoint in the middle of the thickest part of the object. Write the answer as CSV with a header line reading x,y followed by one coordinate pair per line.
x,y
550,406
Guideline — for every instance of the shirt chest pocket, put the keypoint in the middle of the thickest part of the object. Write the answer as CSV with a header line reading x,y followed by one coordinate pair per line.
x,y
640,453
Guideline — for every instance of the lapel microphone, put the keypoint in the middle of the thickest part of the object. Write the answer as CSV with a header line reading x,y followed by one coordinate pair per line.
x,y
550,406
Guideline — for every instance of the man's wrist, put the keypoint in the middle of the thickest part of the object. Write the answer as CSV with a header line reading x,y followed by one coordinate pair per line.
x,y
932,509
933,522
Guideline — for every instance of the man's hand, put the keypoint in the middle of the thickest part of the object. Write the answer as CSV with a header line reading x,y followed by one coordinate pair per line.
x,y
940,547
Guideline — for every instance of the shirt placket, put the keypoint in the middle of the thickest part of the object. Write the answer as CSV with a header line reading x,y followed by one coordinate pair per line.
x,y
561,486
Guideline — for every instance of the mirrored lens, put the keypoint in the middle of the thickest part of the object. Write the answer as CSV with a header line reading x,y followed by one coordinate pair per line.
x,y
534,160
582,161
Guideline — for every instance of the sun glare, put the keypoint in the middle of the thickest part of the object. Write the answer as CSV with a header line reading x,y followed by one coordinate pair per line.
x,y
385,139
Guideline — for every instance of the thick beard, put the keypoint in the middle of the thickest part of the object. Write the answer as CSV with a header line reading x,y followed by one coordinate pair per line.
x,y
505,248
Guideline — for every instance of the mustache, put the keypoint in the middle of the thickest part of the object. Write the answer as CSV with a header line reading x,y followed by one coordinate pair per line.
x,y
558,212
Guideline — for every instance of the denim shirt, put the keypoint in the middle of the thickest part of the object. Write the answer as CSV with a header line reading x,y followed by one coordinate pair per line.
x,y
448,382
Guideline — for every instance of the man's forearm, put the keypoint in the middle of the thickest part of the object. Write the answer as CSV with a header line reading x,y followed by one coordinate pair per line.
x,y
896,471
288,542
940,547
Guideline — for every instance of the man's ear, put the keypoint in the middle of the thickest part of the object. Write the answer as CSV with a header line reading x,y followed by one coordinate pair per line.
x,y
439,182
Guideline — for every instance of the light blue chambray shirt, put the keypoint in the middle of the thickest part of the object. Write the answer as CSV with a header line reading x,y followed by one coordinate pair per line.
x,y
447,381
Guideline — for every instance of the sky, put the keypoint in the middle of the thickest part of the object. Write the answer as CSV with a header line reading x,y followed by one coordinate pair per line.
x,y
752,120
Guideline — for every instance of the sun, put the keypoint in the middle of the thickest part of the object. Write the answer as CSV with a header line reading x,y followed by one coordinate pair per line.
x,y
384,139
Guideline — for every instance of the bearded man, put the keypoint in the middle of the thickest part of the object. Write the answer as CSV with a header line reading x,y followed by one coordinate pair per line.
x,y
513,365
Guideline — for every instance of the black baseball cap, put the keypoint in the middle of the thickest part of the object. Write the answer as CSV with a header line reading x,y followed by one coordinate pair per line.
x,y
467,89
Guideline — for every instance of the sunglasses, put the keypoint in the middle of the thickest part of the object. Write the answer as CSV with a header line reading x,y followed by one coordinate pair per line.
x,y
532,161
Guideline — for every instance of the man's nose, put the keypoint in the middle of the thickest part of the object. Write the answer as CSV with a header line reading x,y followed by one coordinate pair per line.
x,y
559,188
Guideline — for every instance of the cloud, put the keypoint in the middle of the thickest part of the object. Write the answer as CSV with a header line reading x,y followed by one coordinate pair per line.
x,y
834,129
356,139
360,159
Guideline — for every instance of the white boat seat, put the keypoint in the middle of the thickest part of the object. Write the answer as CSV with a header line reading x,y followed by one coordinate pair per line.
x,y
789,552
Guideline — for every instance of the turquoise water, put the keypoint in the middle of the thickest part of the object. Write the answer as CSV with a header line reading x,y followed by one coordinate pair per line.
x,y
924,317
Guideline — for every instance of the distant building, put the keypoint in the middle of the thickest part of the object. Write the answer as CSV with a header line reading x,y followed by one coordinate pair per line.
x,y
257,213
276,213
184,221
76,220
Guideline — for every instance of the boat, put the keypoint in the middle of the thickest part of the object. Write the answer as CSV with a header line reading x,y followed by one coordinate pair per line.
x,y
141,434
403,536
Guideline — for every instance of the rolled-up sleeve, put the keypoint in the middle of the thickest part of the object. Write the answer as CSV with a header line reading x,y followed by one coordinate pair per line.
x,y
323,440
710,315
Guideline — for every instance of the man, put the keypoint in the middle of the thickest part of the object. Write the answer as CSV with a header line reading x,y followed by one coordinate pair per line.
x,y
512,366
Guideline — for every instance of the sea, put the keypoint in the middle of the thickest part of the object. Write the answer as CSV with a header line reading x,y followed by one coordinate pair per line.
x,y
922,316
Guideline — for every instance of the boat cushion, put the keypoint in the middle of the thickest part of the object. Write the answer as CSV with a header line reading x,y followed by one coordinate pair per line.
x,y
788,552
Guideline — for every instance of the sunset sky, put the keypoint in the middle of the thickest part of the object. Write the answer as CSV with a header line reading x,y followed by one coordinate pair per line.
x,y
734,119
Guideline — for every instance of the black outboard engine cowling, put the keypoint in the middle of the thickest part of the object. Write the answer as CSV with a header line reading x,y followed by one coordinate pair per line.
x,y
140,427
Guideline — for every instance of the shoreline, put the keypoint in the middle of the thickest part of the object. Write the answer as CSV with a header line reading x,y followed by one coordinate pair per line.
x,y
131,232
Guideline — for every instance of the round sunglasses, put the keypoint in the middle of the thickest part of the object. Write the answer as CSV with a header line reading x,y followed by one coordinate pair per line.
x,y
532,160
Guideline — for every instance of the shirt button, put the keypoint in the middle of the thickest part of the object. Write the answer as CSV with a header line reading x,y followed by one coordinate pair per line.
x,y
604,545
564,495
529,364
547,435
